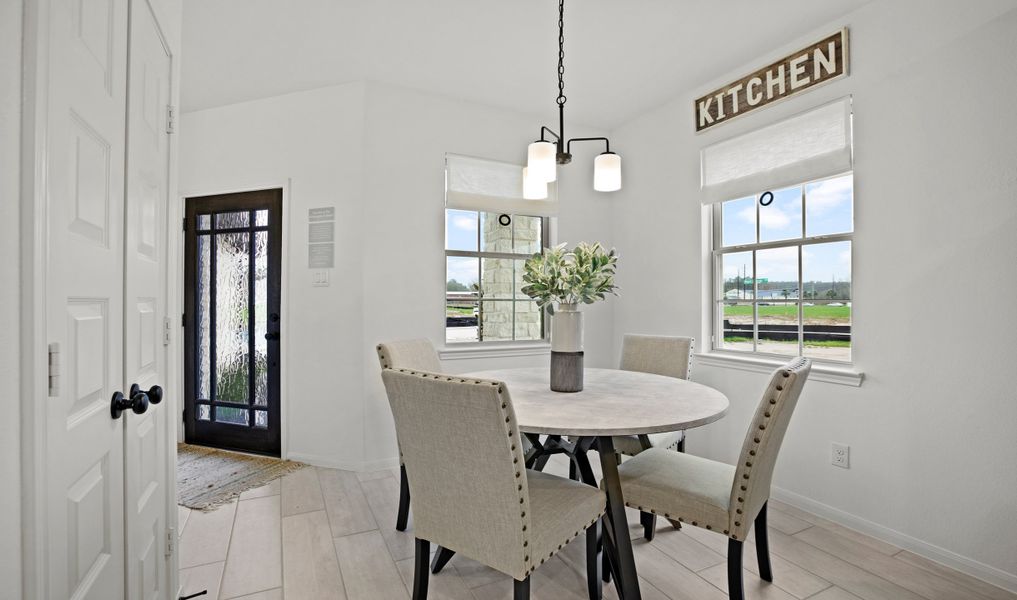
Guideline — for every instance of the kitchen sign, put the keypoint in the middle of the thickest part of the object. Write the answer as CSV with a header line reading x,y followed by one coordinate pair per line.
x,y
816,64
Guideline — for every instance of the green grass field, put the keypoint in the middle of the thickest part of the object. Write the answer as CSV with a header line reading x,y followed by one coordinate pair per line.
x,y
808,343
838,313
458,311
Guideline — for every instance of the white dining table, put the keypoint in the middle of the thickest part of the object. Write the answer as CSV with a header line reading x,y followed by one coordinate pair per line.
x,y
612,402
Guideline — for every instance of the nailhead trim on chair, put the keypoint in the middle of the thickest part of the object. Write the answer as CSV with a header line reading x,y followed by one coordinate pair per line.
x,y
752,451
519,487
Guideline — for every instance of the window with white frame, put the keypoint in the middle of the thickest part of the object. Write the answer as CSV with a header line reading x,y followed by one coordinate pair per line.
x,y
490,231
782,199
782,271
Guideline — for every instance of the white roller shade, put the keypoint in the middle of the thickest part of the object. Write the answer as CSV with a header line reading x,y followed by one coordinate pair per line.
x,y
810,145
492,186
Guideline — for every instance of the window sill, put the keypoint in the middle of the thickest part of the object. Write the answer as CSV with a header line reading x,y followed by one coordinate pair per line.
x,y
493,350
825,372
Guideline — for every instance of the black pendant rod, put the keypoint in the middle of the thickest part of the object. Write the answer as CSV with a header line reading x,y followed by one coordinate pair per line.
x,y
564,153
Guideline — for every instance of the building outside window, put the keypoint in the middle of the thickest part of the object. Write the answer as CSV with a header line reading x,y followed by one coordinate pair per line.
x,y
782,271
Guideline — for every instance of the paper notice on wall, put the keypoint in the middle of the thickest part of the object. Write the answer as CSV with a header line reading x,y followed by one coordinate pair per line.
x,y
326,213
321,238
318,233
320,256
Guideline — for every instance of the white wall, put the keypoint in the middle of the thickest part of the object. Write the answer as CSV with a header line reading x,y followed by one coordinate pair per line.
x,y
407,136
10,397
311,144
933,428
377,153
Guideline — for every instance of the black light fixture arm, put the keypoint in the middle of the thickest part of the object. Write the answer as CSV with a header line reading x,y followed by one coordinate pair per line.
x,y
607,143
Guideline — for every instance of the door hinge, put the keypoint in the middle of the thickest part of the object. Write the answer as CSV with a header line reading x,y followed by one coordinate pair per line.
x,y
54,370
183,319
184,220
171,119
171,541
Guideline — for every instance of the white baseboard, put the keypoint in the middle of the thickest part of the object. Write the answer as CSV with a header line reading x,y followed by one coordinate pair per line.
x,y
331,462
987,573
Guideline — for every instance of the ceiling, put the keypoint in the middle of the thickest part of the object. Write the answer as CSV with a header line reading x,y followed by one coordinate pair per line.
x,y
621,57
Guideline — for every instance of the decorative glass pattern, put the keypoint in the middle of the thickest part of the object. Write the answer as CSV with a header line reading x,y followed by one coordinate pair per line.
x,y
260,318
203,321
232,220
260,418
203,412
233,416
231,317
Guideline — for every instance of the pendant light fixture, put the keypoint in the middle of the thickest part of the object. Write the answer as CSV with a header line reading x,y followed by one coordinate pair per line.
x,y
543,156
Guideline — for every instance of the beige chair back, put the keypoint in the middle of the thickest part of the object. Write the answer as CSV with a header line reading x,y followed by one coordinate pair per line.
x,y
754,471
418,355
474,501
658,354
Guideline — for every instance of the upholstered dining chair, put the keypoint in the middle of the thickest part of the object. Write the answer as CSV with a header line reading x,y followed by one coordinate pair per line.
x,y
670,356
719,497
419,355
483,504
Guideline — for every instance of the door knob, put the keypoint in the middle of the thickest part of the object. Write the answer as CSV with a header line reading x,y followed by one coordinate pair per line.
x,y
154,393
138,402
272,336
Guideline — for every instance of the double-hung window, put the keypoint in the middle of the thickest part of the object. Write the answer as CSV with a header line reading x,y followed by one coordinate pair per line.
x,y
782,200
782,271
490,231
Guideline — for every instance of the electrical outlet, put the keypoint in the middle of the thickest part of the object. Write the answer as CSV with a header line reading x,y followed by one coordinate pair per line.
x,y
840,455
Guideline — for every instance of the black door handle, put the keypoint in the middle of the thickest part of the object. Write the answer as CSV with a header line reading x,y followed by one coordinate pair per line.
x,y
154,393
138,402
272,336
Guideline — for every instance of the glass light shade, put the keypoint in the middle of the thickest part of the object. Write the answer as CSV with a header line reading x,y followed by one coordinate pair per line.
x,y
542,161
607,172
533,188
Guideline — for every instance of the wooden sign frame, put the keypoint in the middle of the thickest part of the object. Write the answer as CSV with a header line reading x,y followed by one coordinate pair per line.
x,y
803,70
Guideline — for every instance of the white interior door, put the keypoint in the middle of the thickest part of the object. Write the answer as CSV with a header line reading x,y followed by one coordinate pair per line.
x,y
146,444
84,115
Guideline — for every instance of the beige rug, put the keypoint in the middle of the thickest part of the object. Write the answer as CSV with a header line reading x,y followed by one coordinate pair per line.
x,y
208,477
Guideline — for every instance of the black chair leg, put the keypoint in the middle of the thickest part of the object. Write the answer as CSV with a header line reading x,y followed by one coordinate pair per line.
x,y
735,585
520,589
593,561
573,471
763,546
681,444
441,558
404,500
420,571
649,523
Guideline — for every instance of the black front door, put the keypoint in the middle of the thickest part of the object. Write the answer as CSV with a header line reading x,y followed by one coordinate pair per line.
x,y
232,320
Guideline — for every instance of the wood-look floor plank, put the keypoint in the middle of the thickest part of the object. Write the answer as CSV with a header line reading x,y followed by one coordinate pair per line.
x,y
755,588
684,549
273,594
475,574
367,569
310,567
383,497
985,589
858,581
877,545
270,489
347,507
786,575
203,577
301,492
363,476
183,513
446,585
254,563
785,523
670,577
207,537
916,579
834,593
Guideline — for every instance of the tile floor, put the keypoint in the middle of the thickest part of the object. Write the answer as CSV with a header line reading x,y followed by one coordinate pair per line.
x,y
321,534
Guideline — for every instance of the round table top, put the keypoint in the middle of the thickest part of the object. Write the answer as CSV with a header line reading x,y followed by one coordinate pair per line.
x,y
613,402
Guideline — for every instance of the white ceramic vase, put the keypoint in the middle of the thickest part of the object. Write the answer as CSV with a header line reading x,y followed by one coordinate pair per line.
x,y
567,349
